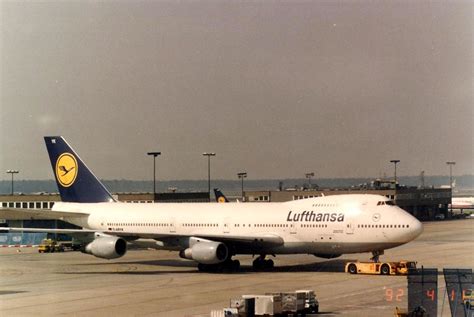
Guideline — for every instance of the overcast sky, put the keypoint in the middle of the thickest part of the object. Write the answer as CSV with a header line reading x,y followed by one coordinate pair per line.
x,y
276,89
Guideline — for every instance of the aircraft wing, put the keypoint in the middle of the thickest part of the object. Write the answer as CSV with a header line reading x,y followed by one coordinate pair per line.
x,y
260,239
37,214
66,231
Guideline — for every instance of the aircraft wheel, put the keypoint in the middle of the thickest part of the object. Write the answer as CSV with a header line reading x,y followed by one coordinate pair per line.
x,y
202,267
257,264
385,270
269,264
352,269
236,265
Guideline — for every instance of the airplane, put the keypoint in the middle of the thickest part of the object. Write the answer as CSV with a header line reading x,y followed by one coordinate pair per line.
x,y
212,233
220,197
462,203
452,186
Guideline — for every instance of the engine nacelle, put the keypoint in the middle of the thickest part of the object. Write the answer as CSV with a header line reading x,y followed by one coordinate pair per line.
x,y
327,256
206,252
107,247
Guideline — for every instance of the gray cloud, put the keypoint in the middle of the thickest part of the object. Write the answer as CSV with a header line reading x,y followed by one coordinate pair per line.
x,y
277,89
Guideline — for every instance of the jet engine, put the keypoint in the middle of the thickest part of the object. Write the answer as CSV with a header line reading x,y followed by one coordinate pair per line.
x,y
107,247
206,252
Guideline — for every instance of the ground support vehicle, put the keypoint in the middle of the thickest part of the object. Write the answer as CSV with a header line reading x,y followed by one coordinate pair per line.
x,y
311,304
383,268
245,306
468,299
291,302
50,245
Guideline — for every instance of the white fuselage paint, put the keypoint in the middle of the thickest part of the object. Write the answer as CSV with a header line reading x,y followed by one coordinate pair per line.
x,y
325,225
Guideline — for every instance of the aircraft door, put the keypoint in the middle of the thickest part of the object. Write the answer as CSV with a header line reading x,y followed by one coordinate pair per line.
x,y
293,226
226,225
350,228
172,225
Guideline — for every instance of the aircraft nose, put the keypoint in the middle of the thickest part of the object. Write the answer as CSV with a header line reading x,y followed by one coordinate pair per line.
x,y
416,228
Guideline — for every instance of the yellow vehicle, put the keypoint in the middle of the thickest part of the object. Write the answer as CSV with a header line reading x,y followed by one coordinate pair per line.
x,y
50,245
468,298
400,312
383,268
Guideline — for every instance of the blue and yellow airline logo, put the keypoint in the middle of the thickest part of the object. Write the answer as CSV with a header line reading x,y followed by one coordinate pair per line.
x,y
221,199
66,169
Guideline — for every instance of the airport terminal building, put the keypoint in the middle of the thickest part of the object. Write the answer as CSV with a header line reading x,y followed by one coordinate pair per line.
x,y
423,203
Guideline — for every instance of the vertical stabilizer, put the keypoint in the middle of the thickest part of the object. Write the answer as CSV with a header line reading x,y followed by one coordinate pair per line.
x,y
75,181
220,197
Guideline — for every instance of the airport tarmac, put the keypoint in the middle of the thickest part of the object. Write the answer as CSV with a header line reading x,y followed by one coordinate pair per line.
x,y
159,283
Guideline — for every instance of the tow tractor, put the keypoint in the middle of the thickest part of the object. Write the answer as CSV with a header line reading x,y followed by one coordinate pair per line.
x,y
383,268
50,245
468,299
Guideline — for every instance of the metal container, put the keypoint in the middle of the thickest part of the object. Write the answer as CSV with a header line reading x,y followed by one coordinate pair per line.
x,y
266,304
291,302
311,302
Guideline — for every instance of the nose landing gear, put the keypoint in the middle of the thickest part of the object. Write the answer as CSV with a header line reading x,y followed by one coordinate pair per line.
x,y
375,255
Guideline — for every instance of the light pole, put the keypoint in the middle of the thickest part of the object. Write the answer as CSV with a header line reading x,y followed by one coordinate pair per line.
x,y
308,176
450,164
209,154
12,172
155,154
395,173
241,176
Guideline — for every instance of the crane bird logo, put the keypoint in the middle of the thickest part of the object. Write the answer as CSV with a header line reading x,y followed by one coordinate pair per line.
x,y
66,169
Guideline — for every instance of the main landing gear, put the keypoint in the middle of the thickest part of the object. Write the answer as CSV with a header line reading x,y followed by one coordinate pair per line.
x,y
376,255
261,263
227,266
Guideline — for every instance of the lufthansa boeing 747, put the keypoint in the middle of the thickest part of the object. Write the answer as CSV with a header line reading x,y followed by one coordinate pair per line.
x,y
211,233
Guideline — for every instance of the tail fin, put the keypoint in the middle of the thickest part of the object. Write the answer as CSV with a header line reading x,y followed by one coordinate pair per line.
x,y
220,197
76,183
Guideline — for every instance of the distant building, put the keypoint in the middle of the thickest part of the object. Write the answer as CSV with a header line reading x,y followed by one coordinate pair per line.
x,y
423,203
